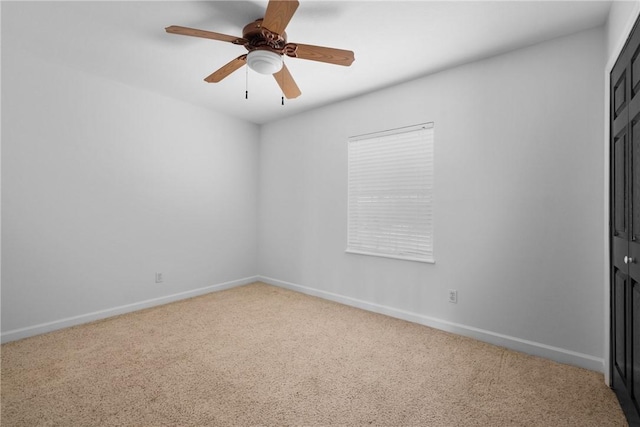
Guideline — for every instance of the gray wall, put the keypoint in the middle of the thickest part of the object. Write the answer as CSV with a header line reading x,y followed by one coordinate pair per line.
x,y
518,201
103,185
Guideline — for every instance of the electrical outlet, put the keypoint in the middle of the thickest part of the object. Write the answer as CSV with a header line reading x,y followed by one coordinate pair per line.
x,y
453,296
159,278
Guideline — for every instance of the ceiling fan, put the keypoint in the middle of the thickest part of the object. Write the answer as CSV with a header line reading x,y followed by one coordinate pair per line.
x,y
266,43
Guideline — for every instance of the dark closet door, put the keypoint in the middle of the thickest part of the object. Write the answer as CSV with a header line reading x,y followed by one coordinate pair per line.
x,y
625,227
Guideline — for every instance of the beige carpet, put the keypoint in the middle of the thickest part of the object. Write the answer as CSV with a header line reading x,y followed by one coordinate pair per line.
x,y
260,355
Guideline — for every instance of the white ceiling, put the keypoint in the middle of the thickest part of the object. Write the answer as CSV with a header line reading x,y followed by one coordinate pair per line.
x,y
393,42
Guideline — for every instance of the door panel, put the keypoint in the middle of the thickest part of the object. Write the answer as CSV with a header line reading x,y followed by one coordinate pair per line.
x,y
619,193
635,64
620,322
635,71
619,92
634,61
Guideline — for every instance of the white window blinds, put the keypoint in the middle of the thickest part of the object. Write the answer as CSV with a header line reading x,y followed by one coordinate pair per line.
x,y
390,184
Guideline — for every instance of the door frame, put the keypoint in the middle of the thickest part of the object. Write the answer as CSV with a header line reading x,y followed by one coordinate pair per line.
x,y
607,368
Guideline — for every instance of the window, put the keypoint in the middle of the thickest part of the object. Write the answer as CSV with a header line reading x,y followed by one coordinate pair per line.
x,y
390,184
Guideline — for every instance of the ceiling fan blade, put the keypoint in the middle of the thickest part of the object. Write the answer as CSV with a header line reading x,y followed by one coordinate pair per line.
x,y
286,83
175,29
321,53
278,15
226,69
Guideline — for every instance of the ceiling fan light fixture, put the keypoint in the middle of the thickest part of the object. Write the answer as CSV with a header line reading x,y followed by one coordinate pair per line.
x,y
264,61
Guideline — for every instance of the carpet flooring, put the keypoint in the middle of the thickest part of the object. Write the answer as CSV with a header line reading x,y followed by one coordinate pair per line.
x,y
262,355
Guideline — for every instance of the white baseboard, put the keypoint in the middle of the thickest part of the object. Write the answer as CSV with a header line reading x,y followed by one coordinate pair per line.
x,y
42,328
557,354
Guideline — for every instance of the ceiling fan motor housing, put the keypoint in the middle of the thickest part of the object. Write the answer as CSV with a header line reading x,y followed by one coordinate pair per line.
x,y
259,37
265,48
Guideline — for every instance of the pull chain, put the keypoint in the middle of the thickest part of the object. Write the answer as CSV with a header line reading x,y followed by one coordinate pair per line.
x,y
282,86
246,83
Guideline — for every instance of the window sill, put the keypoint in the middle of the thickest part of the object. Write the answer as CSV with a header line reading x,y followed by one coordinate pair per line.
x,y
403,258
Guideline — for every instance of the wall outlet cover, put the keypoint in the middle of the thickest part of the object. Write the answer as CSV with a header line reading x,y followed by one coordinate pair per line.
x,y
453,296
